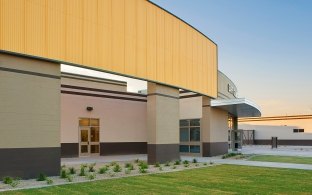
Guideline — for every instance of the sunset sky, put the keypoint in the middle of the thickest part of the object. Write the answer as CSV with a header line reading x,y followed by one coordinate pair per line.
x,y
264,46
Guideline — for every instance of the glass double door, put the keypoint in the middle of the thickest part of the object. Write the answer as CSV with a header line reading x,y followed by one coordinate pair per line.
x,y
89,141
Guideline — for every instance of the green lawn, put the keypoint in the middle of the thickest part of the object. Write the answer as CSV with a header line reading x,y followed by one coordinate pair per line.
x,y
221,179
283,159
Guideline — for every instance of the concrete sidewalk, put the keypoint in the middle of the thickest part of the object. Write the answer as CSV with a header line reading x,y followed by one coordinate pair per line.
x,y
250,163
304,151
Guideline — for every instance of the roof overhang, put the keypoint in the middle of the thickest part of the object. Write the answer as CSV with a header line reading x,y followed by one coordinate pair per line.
x,y
239,107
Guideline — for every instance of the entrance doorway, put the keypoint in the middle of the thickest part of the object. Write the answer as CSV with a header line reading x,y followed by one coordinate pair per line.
x,y
89,137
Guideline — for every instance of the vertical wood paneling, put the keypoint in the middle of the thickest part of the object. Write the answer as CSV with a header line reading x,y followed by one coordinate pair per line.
x,y
141,38
104,34
56,29
35,30
12,29
90,25
130,37
151,33
74,30
160,31
118,38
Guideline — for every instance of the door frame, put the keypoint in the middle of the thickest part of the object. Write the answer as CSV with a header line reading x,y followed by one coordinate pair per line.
x,y
89,142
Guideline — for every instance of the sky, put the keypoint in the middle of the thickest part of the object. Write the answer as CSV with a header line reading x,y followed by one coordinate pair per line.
x,y
264,47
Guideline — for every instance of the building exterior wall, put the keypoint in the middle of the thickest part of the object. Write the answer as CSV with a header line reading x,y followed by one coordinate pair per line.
x,y
133,38
122,121
30,117
190,108
226,87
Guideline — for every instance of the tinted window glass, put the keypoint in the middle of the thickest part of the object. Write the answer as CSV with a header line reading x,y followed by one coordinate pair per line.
x,y
195,134
184,148
195,122
195,149
184,135
184,123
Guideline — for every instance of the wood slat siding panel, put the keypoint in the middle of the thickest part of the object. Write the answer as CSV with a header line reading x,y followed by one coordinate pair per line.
x,y
129,37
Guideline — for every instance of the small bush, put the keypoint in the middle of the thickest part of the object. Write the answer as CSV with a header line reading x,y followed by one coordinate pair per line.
x,y
117,168
72,170
143,165
194,160
157,164
7,180
129,166
41,177
69,178
63,167
186,165
167,164
82,171
113,164
112,174
185,162
196,165
160,169
63,173
177,162
91,167
136,160
211,162
127,171
103,170
173,167
205,164
49,181
142,170
15,182
91,176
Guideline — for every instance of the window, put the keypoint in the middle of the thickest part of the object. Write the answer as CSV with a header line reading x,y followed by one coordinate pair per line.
x,y
298,130
190,136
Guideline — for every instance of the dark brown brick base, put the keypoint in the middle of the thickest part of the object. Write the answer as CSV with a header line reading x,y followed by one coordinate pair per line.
x,y
29,162
116,148
214,148
162,153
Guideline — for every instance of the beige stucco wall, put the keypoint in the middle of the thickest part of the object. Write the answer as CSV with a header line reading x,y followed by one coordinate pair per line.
x,y
214,125
163,115
30,105
120,120
190,108
280,131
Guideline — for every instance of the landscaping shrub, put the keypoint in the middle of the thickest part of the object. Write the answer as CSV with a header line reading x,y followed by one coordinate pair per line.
x,y
82,170
91,167
160,169
143,165
113,164
129,166
186,165
63,173
142,170
194,160
229,155
205,164
173,167
49,181
103,170
41,177
117,168
7,180
72,170
136,160
127,171
69,178
177,162
185,162
15,182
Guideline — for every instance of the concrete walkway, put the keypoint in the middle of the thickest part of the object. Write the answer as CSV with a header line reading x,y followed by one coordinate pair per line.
x,y
250,163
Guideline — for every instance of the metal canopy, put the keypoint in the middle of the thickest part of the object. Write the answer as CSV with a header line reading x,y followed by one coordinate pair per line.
x,y
239,107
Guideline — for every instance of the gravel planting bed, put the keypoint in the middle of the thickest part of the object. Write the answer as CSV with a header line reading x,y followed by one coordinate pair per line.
x,y
109,171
